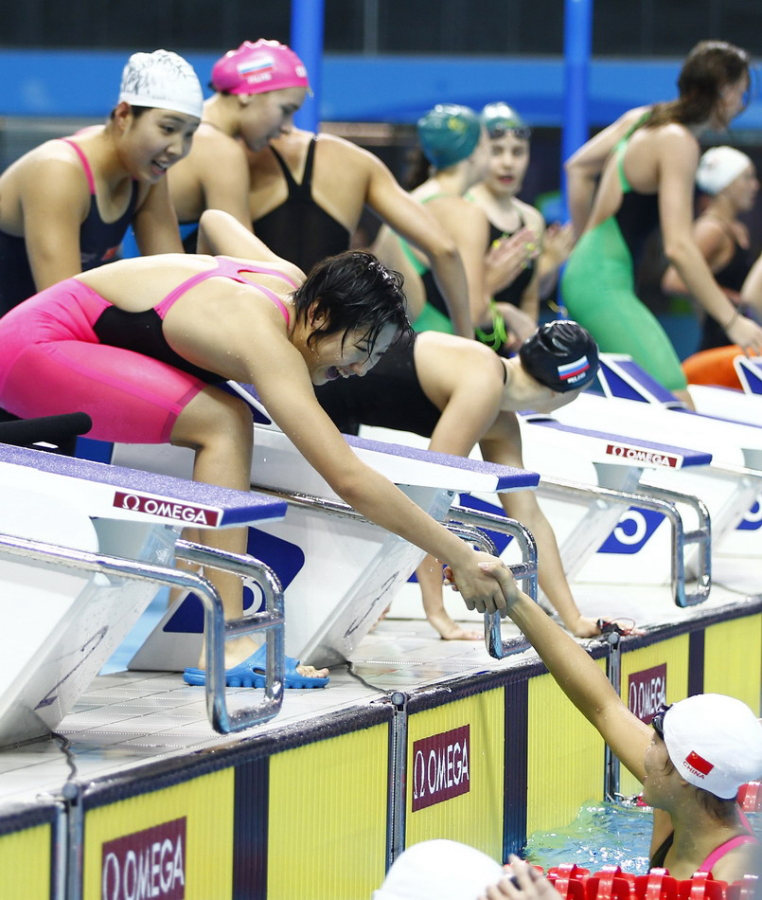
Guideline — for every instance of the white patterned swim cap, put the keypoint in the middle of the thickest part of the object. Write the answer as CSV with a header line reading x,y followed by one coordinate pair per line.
x,y
162,80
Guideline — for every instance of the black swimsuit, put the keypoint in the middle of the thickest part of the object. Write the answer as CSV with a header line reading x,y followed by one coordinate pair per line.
x,y
299,229
389,396
98,242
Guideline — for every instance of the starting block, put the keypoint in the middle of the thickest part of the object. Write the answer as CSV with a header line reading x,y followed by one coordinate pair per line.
x,y
84,547
338,571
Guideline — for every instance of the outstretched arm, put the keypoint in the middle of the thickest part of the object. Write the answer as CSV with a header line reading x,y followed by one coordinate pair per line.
x,y
502,444
298,413
579,677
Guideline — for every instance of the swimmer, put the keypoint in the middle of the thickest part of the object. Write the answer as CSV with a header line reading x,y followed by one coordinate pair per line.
x,y
308,192
647,163
257,89
728,179
142,345
458,392
538,256
66,205
455,149
691,760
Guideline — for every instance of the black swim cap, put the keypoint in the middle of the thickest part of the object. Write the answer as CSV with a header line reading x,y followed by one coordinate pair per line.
x,y
562,355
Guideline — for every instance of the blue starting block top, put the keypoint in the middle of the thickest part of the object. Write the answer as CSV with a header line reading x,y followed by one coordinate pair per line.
x,y
636,451
506,478
129,493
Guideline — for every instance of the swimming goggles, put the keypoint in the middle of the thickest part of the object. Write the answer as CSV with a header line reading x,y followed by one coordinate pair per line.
x,y
658,720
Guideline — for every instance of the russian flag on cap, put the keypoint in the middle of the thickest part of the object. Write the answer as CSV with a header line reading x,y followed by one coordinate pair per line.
x,y
256,65
573,368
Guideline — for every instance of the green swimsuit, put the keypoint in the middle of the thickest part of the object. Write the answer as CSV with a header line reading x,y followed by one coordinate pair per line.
x,y
598,285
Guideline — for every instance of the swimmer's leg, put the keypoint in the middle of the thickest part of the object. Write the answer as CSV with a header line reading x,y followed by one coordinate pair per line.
x,y
218,427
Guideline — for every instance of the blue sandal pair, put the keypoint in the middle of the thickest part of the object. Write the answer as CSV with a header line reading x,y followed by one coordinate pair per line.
x,y
251,673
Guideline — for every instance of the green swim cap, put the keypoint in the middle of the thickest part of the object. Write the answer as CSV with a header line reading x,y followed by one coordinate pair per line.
x,y
499,119
449,133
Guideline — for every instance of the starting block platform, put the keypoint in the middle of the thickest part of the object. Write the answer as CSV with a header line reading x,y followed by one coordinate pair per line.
x,y
84,548
338,571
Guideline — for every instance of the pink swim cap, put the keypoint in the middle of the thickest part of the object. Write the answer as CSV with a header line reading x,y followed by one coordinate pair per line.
x,y
258,68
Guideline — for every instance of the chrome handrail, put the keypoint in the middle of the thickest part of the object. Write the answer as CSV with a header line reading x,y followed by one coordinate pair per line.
x,y
53,556
662,501
525,572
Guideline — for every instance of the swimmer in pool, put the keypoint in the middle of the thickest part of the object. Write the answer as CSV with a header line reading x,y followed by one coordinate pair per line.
x,y
691,760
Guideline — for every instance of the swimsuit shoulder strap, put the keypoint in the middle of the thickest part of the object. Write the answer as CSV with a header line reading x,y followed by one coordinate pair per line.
x,y
309,162
233,269
85,164
620,149
724,848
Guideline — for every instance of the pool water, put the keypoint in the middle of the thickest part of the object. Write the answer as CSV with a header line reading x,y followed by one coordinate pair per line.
x,y
607,834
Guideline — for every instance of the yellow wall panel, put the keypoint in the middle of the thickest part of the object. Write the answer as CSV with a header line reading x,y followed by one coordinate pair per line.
x,y
327,822
474,817
733,658
564,757
25,864
206,804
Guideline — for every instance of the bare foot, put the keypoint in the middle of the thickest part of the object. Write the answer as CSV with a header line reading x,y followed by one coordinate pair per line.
x,y
450,631
311,671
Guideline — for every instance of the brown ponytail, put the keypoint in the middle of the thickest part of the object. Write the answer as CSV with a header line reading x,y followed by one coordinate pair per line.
x,y
709,67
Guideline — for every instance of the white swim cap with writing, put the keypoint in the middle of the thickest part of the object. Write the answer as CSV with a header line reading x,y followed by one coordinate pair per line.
x,y
162,80
715,743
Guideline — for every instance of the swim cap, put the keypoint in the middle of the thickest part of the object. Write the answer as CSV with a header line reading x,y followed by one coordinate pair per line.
x,y
449,133
562,355
499,119
162,80
714,742
718,167
259,68
439,870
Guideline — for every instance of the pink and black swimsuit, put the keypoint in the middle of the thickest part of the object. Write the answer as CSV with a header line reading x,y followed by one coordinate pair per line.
x,y
98,242
67,349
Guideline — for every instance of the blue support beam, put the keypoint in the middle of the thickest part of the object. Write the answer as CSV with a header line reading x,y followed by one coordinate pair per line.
x,y
307,18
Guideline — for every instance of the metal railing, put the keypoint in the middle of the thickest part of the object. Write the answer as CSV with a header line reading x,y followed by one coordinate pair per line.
x,y
217,630
524,572
468,525
665,502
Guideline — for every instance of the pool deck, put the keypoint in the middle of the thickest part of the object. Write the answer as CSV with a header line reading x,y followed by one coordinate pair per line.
x,y
127,719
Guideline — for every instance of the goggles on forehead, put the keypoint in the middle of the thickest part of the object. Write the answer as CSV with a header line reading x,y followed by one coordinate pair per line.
x,y
509,126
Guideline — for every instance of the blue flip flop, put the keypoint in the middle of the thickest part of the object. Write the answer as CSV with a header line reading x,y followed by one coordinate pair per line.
x,y
251,673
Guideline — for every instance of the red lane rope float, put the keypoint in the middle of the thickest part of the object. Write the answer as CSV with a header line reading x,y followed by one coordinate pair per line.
x,y
750,796
611,883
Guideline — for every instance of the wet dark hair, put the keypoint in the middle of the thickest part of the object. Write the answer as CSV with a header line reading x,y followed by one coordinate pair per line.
x,y
709,67
562,355
354,291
